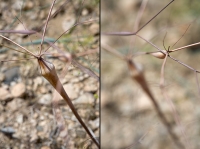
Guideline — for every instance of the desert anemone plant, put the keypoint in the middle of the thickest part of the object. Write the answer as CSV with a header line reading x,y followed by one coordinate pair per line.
x,y
85,16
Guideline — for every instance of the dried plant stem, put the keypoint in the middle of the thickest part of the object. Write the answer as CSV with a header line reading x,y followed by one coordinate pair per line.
x,y
45,26
138,76
176,117
48,72
24,32
135,33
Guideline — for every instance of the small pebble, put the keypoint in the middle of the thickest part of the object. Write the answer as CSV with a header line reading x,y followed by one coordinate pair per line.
x,y
18,90
4,94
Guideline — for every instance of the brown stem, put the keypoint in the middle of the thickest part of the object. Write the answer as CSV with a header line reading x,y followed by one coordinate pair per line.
x,y
49,73
138,76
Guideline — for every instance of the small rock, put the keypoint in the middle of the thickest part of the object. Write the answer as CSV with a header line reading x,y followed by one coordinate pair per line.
x,y
74,80
18,90
19,118
2,119
11,74
69,88
37,82
85,12
80,133
45,147
86,98
33,135
81,78
94,28
8,130
94,124
20,27
63,133
68,22
67,78
90,87
4,94
15,104
17,5
43,89
28,5
78,86
143,103
41,135
45,99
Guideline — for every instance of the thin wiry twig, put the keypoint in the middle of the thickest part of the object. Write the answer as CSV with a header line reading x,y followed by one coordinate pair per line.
x,y
176,117
181,36
79,13
134,33
18,45
45,27
113,51
138,18
80,23
16,60
25,32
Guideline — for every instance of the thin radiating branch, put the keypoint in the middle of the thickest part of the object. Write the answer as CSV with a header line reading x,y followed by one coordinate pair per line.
x,y
187,66
184,47
79,13
181,36
61,8
18,45
16,60
85,69
24,32
15,49
80,23
45,27
175,114
138,19
24,27
150,43
67,57
92,51
113,51
134,33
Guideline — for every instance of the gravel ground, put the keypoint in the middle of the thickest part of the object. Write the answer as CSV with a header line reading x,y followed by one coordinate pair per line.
x,y
32,115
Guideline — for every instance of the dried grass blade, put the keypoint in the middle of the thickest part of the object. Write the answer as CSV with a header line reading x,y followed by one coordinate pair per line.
x,y
49,73
18,45
138,76
24,32
85,69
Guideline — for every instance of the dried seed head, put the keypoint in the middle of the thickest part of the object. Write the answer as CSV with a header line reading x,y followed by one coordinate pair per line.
x,y
159,54
48,72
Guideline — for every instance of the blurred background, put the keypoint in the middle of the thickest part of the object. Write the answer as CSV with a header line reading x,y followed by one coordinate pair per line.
x,y
127,114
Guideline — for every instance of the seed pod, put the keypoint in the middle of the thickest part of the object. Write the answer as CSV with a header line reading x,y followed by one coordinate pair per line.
x,y
159,54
